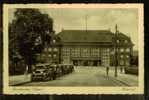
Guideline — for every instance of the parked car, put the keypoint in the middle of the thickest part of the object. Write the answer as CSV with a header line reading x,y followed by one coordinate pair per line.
x,y
131,70
71,68
42,72
67,68
56,70
50,71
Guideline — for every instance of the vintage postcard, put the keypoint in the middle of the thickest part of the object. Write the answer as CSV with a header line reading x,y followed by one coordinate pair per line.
x,y
73,49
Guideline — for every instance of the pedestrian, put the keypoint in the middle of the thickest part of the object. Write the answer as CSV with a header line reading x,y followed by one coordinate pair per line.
x,y
26,70
121,69
107,70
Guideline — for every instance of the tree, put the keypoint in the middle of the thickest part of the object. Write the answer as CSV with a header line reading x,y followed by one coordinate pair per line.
x,y
28,26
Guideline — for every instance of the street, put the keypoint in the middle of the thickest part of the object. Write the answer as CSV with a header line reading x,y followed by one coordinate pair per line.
x,y
90,76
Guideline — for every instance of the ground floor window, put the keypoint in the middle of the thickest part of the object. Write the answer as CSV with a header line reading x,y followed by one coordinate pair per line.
x,y
87,62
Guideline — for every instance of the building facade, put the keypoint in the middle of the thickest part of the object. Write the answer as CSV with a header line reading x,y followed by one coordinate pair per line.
x,y
51,52
88,48
95,48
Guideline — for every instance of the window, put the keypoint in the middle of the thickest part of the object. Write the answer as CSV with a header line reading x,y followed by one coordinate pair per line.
x,y
66,51
127,56
126,41
118,41
54,41
127,63
50,49
105,52
85,52
75,52
128,50
121,62
112,52
108,49
45,49
122,56
117,50
54,55
55,49
122,49
95,52
49,55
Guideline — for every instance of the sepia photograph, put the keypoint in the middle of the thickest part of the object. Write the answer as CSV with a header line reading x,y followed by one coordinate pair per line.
x,y
73,49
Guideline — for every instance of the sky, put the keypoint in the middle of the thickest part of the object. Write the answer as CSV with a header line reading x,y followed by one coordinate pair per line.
x,y
94,19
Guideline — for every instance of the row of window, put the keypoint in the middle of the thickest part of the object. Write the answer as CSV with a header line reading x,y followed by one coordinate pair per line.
x,y
86,49
54,55
122,56
124,41
51,49
124,50
121,50
97,50
122,62
85,54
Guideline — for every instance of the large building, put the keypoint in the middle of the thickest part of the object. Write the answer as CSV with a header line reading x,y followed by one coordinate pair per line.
x,y
95,47
90,48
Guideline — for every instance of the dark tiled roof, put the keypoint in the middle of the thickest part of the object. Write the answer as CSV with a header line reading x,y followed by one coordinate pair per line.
x,y
86,36
122,36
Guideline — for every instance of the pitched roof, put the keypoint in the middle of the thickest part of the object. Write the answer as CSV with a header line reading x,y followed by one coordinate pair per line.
x,y
86,36
122,36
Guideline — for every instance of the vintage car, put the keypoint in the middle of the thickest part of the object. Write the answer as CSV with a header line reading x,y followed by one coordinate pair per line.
x,y
131,70
42,72
71,68
67,68
56,71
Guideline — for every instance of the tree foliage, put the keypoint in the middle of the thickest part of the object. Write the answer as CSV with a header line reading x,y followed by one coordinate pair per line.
x,y
27,26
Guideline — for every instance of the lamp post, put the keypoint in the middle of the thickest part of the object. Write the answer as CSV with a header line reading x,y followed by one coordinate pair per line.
x,y
116,62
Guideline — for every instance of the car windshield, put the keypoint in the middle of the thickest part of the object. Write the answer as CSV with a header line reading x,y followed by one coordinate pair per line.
x,y
39,67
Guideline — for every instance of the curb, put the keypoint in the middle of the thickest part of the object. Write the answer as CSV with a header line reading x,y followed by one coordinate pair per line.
x,y
21,83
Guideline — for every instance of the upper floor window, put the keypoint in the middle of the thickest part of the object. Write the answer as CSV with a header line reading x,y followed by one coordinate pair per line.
x,y
122,50
126,41
75,52
85,52
45,49
49,55
108,49
55,49
122,56
127,56
118,41
54,55
128,50
50,49
112,52
54,41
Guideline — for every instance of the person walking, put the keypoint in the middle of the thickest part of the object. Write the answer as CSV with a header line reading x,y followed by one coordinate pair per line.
x,y
26,73
26,70
121,69
107,70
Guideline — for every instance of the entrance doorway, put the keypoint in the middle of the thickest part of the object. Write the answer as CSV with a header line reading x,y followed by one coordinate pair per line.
x,y
99,63
85,63
75,62
95,63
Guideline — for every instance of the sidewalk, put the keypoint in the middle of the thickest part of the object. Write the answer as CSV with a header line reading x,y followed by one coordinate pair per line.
x,y
128,79
19,79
